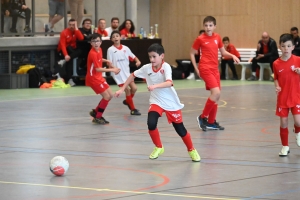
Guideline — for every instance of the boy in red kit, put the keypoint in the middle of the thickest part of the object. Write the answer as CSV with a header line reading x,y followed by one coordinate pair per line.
x,y
209,43
228,60
163,98
95,80
286,79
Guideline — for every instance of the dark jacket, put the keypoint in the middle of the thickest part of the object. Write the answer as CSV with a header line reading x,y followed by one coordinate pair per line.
x,y
296,50
84,44
16,4
4,6
272,49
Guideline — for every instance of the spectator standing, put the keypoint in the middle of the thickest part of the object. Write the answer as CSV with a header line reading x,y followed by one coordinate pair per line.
x,y
114,24
4,12
56,13
77,10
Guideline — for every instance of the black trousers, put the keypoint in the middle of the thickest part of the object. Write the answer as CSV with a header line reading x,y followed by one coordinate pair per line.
x,y
66,72
254,64
14,14
231,65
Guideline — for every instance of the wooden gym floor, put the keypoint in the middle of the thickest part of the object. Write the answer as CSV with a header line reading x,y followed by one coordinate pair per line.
x,y
111,161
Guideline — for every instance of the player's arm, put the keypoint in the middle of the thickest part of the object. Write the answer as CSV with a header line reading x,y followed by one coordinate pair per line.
x,y
137,62
277,87
127,82
194,52
227,54
167,83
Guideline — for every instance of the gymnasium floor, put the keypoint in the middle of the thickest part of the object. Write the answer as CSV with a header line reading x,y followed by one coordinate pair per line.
x,y
111,161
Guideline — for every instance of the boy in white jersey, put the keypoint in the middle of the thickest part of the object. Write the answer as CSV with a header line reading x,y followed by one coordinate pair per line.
x,y
163,98
120,55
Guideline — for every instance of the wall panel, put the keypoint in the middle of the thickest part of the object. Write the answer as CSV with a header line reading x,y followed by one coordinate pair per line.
x,y
243,21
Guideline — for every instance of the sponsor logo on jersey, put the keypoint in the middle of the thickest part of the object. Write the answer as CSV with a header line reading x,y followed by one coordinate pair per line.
x,y
298,106
162,71
293,67
216,41
149,74
120,60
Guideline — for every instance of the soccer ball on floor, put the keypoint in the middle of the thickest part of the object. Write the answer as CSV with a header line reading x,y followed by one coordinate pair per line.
x,y
59,165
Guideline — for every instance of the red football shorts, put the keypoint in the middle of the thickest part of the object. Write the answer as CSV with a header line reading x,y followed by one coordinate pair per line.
x,y
100,87
284,112
211,78
172,116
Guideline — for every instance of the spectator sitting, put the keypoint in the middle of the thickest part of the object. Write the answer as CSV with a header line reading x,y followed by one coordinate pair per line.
x,y
127,29
267,52
228,60
101,28
114,24
56,13
18,8
67,49
84,44
294,32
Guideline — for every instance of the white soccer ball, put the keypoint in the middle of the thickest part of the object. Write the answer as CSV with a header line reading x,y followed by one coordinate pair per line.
x,y
59,165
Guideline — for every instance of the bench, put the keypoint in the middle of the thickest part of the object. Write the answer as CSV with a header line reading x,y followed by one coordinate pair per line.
x,y
246,55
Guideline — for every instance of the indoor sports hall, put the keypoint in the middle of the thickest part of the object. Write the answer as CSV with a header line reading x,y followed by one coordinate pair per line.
x,y
111,161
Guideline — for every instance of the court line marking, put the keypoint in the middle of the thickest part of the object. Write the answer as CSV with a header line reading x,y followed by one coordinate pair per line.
x,y
111,190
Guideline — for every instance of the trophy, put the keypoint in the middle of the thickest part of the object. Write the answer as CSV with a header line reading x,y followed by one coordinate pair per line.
x,y
156,31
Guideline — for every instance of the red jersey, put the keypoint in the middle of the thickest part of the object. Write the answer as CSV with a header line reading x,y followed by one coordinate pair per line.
x,y
231,49
68,38
288,80
127,33
94,61
103,33
209,46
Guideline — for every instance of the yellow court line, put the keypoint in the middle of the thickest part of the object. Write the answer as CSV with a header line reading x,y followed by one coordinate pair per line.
x,y
121,191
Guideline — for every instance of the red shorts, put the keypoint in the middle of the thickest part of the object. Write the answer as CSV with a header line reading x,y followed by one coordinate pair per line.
x,y
211,78
100,87
284,112
172,116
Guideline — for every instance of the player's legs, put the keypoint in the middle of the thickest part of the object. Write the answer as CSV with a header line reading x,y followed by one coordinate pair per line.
x,y
106,93
133,88
297,126
186,138
154,134
129,101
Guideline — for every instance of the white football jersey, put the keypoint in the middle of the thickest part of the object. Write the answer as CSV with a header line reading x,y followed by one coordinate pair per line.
x,y
120,58
166,98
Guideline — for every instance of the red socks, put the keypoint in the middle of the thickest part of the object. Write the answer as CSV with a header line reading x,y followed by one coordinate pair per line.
x,y
154,134
129,101
188,142
213,114
101,108
284,135
297,129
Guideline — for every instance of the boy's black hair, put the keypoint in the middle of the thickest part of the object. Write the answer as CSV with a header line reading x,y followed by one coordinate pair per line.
x,y
225,39
210,19
86,20
95,36
159,49
201,31
114,32
294,29
286,37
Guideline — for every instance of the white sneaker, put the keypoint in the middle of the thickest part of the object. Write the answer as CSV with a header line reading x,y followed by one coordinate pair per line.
x,y
298,139
61,62
284,151
71,82
191,76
